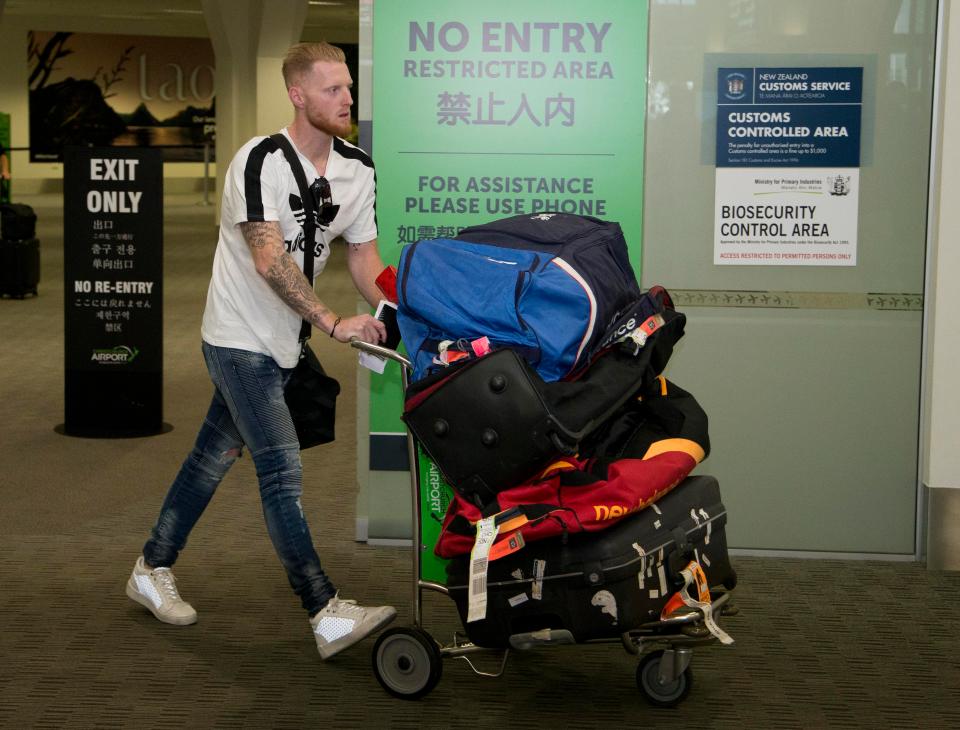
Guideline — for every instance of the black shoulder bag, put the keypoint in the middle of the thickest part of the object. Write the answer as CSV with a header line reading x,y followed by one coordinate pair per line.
x,y
311,394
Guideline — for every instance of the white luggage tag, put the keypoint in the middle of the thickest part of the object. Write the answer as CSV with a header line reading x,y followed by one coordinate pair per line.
x,y
487,530
693,575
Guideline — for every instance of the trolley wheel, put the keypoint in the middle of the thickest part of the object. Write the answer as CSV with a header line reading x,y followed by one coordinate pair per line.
x,y
658,694
407,662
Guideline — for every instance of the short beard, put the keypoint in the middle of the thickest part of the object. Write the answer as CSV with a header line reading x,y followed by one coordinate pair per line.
x,y
331,129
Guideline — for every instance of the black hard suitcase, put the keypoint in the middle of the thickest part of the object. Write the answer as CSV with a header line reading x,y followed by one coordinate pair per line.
x,y
18,222
19,267
600,585
494,423
488,426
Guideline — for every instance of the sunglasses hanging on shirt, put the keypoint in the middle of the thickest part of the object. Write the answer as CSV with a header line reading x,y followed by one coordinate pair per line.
x,y
326,210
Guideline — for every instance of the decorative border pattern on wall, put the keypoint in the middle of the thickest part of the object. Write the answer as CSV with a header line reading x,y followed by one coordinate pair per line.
x,y
900,302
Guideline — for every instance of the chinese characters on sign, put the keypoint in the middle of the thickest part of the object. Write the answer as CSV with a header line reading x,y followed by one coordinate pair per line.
x,y
454,108
412,234
495,92
113,265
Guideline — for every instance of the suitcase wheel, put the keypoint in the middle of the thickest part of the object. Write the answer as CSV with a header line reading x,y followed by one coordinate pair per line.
x,y
659,690
407,662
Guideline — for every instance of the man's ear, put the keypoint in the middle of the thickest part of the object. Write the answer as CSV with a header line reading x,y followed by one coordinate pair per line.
x,y
296,97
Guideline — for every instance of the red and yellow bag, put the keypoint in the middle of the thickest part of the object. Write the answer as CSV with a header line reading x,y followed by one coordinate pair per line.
x,y
566,498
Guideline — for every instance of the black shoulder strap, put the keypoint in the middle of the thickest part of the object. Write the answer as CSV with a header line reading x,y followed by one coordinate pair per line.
x,y
309,212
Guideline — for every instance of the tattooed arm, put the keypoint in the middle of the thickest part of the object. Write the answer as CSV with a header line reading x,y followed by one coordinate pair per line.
x,y
283,275
286,279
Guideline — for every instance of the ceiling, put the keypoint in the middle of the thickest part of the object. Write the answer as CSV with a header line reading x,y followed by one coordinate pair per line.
x,y
333,20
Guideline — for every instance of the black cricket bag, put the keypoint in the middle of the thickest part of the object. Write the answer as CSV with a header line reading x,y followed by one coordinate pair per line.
x,y
602,584
19,267
547,285
18,222
642,452
492,422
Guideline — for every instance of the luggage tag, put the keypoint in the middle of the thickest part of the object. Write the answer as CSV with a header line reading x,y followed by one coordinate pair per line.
x,y
446,356
539,569
693,575
651,324
640,335
477,589
506,522
480,346
507,546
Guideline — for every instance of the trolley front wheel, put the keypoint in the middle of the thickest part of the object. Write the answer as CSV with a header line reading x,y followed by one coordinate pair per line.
x,y
407,662
659,692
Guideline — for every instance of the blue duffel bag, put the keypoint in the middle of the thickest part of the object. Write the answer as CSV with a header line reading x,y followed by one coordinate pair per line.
x,y
548,286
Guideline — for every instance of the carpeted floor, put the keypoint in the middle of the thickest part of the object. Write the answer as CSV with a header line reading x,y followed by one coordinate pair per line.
x,y
819,643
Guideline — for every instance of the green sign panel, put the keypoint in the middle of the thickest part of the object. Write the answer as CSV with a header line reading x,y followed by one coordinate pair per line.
x,y
435,496
487,110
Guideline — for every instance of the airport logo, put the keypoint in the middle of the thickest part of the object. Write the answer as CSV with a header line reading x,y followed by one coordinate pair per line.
x,y
119,355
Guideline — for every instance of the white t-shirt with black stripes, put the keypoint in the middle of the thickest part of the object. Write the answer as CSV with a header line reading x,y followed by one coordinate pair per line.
x,y
242,310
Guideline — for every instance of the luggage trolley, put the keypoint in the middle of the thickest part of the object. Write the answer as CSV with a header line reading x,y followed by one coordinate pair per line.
x,y
408,661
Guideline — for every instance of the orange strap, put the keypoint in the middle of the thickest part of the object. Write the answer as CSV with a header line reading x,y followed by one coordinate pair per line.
x,y
685,446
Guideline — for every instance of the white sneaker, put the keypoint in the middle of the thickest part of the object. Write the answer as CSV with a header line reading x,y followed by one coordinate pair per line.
x,y
156,589
343,623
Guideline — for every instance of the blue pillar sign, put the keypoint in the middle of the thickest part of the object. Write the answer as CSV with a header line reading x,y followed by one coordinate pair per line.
x,y
788,159
113,298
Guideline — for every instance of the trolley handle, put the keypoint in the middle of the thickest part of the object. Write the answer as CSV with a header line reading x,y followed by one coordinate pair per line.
x,y
381,352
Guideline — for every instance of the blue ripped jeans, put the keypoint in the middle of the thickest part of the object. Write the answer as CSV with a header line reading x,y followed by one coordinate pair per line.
x,y
247,408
